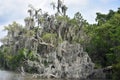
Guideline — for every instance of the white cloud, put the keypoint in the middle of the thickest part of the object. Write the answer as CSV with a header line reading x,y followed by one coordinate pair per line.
x,y
77,2
106,1
16,10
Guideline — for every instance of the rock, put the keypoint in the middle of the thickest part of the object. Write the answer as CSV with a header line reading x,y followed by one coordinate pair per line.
x,y
97,74
34,67
68,61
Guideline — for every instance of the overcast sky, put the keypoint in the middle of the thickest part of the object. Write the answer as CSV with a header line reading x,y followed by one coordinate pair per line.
x,y
16,10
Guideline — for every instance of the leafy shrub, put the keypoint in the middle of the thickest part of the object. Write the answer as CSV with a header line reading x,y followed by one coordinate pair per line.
x,y
116,71
48,37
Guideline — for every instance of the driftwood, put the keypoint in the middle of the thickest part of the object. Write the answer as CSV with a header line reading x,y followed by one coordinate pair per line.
x,y
100,73
47,44
107,69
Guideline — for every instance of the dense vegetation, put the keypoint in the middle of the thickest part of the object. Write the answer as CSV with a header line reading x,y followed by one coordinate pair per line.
x,y
104,44
43,32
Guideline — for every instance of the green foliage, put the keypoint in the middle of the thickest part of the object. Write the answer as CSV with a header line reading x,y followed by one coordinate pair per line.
x,y
105,40
104,44
97,66
25,54
48,37
116,71
10,61
2,59
103,18
45,63
62,18
111,58
30,33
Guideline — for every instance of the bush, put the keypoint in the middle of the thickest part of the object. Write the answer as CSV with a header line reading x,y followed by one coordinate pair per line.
x,y
116,71
49,37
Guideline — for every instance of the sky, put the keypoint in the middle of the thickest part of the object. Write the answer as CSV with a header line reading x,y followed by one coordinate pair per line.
x,y
16,10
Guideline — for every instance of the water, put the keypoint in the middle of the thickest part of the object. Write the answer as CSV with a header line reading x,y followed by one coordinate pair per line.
x,y
7,75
